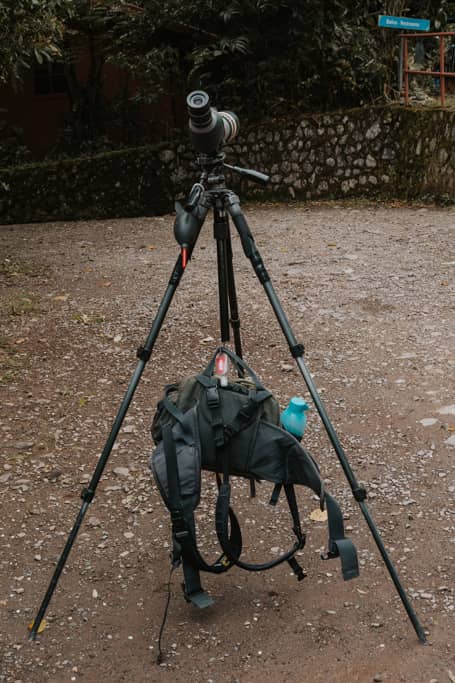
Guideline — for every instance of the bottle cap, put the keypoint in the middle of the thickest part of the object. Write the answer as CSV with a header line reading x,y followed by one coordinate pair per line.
x,y
299,404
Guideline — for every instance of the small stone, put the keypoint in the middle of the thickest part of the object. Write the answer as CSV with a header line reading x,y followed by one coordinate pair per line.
x,y
24,445
121,471
451,440
378,678
93,521
128,534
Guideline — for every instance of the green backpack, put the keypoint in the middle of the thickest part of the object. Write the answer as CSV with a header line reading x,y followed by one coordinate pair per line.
x,y
232,430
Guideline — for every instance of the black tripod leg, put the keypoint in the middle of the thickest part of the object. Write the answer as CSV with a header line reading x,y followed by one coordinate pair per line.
x,y
221,228
297,351
88,493
233,305
226,282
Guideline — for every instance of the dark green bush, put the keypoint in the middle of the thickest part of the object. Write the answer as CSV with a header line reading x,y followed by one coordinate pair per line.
x,y
121,183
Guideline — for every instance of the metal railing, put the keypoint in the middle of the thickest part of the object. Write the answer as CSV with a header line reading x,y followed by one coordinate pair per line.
x,y
442,74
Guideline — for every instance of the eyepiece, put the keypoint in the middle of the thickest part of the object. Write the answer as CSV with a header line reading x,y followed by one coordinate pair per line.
x,y
199,109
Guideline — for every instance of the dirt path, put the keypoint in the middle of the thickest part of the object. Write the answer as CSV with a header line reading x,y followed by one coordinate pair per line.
x,y
370,291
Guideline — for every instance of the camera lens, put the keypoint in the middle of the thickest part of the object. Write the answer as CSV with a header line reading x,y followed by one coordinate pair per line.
x,y
199,109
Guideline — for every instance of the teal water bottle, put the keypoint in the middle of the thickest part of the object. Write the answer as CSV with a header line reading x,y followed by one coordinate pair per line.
x,y
293,419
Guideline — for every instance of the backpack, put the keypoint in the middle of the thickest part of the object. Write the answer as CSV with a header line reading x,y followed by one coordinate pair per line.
x,y
232,430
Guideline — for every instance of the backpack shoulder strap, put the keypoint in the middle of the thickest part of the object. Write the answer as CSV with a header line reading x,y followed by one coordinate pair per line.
x,y
185,548
221,520
339,546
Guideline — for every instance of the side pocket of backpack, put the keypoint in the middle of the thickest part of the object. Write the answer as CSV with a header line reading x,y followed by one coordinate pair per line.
x,y
162,415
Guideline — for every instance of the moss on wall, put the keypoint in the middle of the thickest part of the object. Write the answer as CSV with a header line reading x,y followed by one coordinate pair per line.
x,y
121,183
374,152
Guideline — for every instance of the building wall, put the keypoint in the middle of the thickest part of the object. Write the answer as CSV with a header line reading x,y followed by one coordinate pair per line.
x,y
42,117
39,116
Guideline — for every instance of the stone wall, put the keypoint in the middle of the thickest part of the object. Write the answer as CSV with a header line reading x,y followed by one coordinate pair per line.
x,y
373,152
376,152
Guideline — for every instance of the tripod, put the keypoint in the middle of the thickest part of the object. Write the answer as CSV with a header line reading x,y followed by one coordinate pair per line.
x,y
211,193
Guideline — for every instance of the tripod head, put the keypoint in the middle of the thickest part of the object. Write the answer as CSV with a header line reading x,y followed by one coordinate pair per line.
x,y
190,217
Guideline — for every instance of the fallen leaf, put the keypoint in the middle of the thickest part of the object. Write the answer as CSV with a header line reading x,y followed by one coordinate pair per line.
x,y
319,515
60,297
41,628
20,341
150,247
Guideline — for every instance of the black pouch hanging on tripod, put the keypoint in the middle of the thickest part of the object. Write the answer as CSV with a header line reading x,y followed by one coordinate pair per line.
x,y
232,430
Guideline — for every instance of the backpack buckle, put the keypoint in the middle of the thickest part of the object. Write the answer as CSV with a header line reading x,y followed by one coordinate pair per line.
x,y
229,431
179,526
181,535
244,415
213,398
219,436
225,561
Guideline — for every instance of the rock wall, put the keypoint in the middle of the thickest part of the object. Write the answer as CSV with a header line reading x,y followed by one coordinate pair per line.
x,y
373,152
377,152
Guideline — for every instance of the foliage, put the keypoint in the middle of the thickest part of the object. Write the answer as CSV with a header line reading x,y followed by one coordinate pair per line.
x,y
258,57
122,183
277,57
13,151
30,30
130,37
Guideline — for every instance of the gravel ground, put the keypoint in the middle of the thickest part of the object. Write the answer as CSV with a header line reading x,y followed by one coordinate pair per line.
x,y
369,290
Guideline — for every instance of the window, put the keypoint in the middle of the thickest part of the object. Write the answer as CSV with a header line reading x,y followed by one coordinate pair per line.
x,y
50,78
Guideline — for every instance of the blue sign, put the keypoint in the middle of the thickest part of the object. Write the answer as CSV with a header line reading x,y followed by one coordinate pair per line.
x,y
404,23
